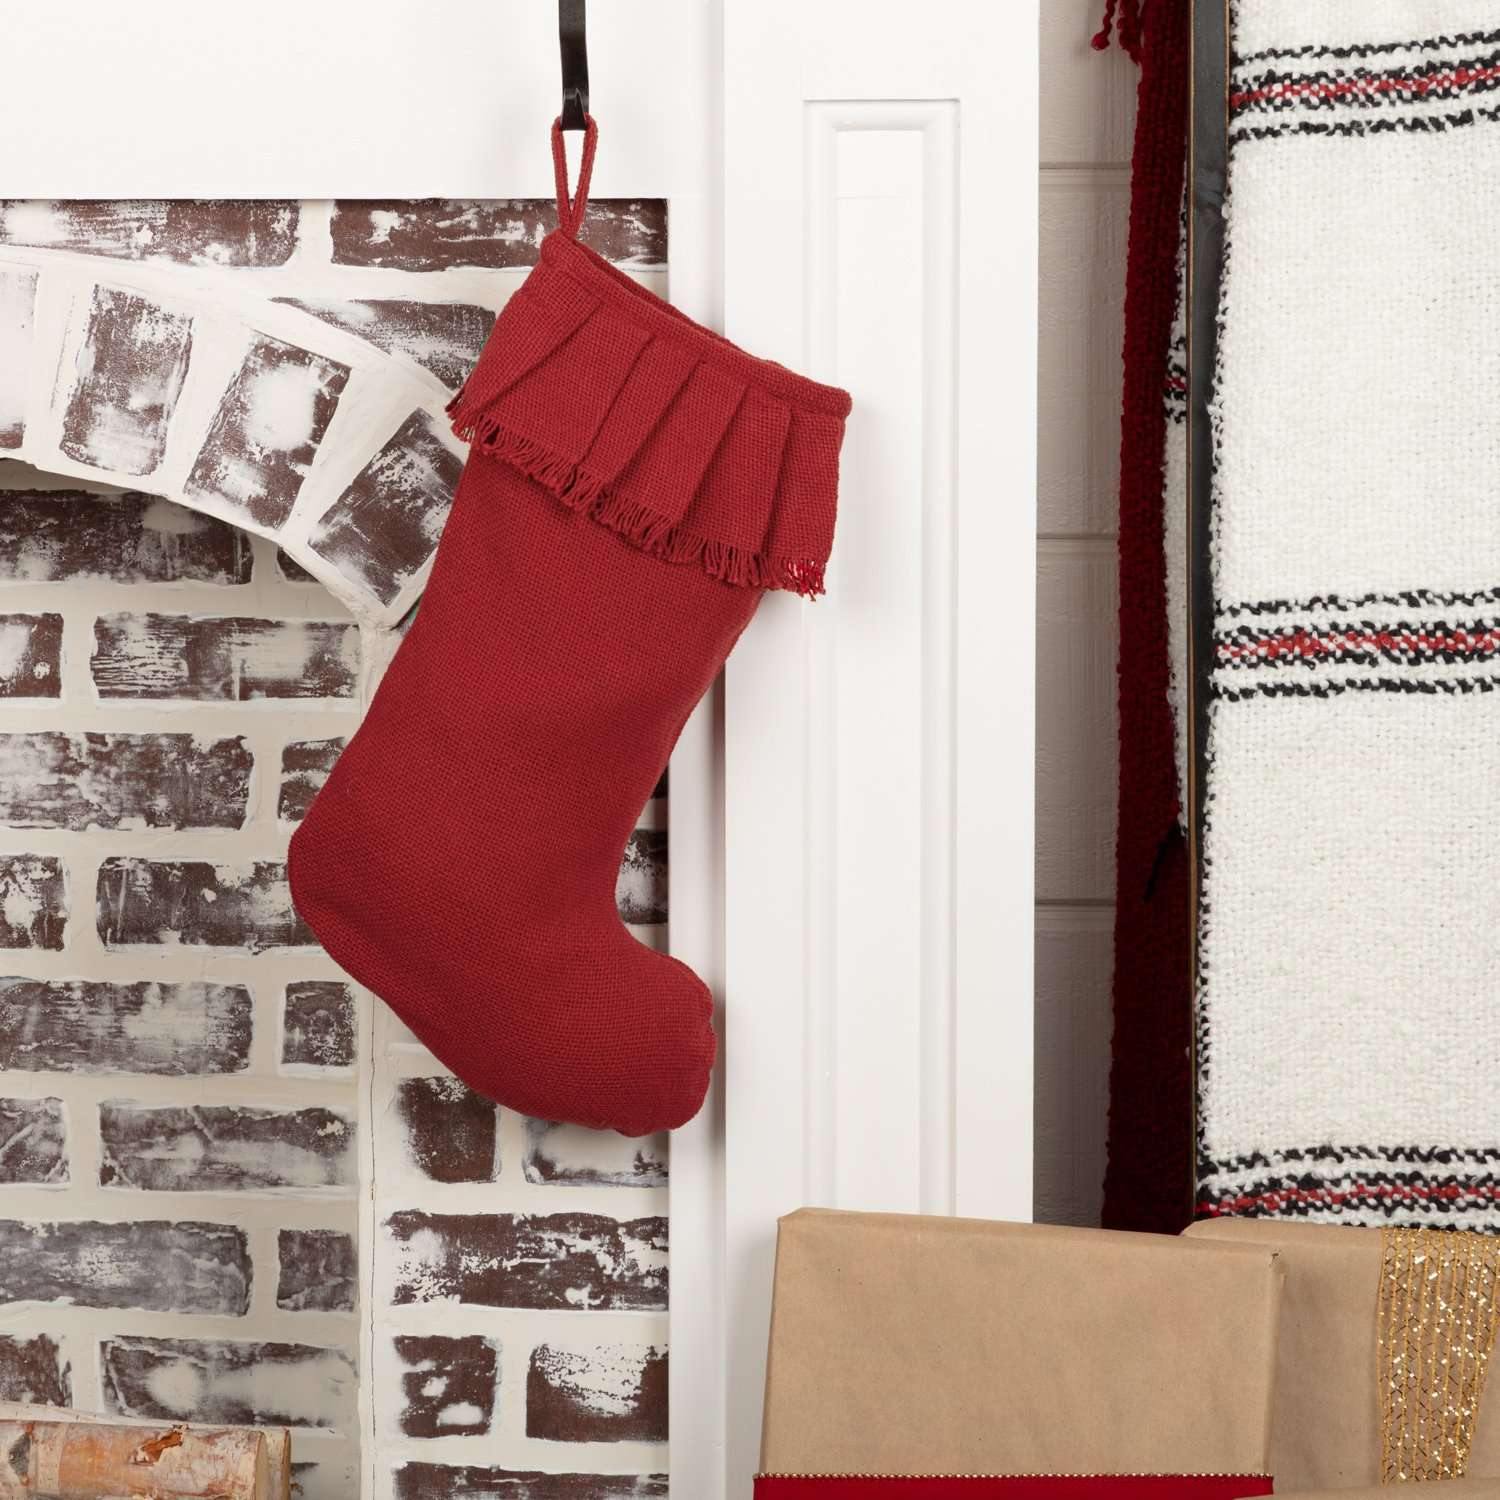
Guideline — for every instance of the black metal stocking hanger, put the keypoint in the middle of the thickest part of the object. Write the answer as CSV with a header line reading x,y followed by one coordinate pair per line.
x,y
572,39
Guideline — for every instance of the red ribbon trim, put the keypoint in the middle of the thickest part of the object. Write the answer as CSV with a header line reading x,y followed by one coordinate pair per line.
x,y
1010,1487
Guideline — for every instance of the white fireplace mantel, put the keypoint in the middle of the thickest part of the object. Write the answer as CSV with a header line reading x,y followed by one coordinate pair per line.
x,y
852,190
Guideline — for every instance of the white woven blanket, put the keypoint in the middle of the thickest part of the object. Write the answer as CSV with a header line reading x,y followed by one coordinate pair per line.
x,y
1349,963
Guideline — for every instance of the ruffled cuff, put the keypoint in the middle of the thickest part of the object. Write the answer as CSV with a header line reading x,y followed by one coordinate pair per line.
x,y
689,448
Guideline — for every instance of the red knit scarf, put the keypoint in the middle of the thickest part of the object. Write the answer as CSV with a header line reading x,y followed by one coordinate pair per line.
x,y
1148,1183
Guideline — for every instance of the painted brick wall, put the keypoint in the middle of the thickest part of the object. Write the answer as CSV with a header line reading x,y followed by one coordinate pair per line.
x,y
283,366
521,1273
191,1095
178,1153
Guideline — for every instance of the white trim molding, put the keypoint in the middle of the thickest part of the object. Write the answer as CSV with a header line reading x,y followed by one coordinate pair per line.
x,y
880,233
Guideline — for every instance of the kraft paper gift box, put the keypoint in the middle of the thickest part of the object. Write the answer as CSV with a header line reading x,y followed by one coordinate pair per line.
x,y
1385,1341
972,1353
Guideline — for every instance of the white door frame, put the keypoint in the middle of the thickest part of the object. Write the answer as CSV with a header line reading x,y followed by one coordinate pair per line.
x,y
852,190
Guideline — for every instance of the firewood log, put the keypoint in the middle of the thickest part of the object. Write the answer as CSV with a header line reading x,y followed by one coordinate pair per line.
x,y
279,1461
95,1460
278,1439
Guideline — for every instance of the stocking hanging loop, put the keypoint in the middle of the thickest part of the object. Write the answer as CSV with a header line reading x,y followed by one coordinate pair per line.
x,y
570,214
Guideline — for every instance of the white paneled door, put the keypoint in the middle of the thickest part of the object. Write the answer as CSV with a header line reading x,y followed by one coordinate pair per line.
x,y
880,229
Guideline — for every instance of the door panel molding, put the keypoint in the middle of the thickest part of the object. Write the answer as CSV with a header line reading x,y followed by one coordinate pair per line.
x,y
880,233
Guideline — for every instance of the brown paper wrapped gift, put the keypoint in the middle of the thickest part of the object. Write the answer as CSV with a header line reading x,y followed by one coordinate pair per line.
x,y
1372,1386
909,1345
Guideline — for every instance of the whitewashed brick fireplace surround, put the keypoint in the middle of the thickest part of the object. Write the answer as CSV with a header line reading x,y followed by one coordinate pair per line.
x,y
229,468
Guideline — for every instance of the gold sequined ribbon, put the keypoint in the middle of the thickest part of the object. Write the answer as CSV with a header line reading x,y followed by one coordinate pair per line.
x,y
1436,1318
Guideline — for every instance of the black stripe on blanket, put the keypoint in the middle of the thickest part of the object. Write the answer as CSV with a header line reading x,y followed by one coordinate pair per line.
x,y
1337,92
1377,1156
1384,125
1433,686
1312,646
1404,599
1367,49
1377,1180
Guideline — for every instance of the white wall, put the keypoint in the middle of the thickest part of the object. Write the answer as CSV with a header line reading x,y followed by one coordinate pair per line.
x,y
1088,101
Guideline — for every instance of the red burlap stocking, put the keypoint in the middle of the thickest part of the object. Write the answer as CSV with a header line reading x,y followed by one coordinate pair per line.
x,y
635,484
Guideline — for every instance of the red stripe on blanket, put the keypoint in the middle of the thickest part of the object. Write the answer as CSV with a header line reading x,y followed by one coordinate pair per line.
x,y
1333,1197
1304,643
1459,78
